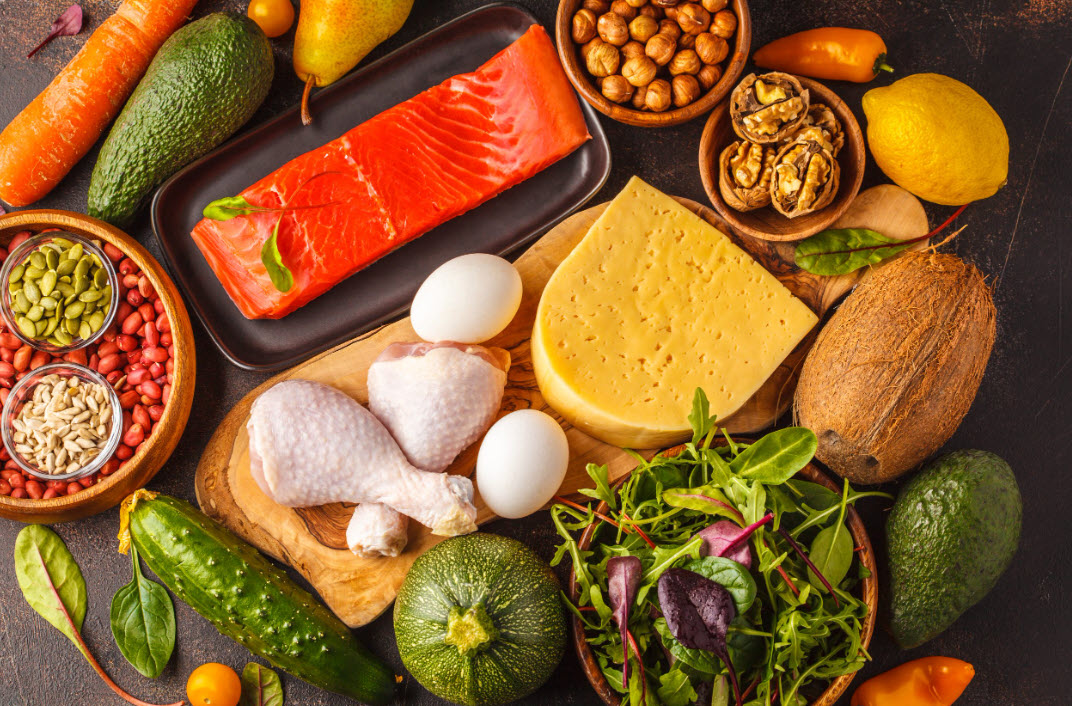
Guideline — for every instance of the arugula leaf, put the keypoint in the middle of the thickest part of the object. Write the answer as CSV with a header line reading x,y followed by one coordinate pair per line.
x,y
602,491
731,576
778,456
281,277
841,251
700,417
227,208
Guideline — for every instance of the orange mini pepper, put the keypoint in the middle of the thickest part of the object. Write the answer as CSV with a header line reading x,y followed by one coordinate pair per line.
x,y
931,681
833,53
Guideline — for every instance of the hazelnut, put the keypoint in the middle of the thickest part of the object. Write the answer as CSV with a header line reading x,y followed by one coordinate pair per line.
x,y
643,28
671,13
665,3
612,29
724,24
685,62
616,89
623,8
711,48
714,6
603,60
656,13
686,41
584,26
637,3
638,97
657,97
632,49
660,49
588,46
670,29
693,18
685,89
639,71
709,76
598,7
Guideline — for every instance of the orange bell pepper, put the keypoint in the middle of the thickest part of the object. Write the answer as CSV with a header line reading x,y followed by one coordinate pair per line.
x,y
833,53
931,681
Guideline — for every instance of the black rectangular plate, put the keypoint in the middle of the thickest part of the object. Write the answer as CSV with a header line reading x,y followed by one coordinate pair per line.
x,y
384,290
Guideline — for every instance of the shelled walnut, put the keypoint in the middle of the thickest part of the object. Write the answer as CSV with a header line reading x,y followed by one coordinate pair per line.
x,y
767,109
744,175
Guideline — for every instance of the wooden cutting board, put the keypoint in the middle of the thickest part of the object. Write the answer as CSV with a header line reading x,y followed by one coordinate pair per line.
x,y
313,540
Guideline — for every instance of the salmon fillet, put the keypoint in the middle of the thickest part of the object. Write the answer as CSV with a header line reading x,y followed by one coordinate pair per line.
x,y
397,176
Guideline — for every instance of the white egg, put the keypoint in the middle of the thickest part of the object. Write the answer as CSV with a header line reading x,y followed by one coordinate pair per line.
x,y
521,463
468,299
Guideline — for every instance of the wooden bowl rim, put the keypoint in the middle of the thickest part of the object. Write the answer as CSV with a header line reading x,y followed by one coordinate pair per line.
x,y
569,55
855,150
868,589
175,412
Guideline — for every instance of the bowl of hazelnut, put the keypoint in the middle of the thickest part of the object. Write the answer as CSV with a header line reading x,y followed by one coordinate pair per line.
x,y
653,63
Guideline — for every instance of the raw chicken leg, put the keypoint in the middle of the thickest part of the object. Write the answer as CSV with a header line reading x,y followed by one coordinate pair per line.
x,y
310,444
436,399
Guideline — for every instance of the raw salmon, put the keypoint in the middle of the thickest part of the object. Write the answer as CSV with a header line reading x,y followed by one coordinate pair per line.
x,y
397,176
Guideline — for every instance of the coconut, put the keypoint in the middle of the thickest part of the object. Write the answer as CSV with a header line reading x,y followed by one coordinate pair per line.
x,y
895,370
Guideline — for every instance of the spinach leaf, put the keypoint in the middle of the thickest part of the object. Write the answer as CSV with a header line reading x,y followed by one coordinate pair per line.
x,y
838,252
51,581
229,207
143,622
831,552
699,660
675,689
731,576
272,260
260,687
776,457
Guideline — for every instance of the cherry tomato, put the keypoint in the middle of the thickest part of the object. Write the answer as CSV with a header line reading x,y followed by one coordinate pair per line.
x,y
274,16
213,684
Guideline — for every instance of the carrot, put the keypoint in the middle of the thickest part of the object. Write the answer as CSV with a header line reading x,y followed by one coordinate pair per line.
x,y
59,127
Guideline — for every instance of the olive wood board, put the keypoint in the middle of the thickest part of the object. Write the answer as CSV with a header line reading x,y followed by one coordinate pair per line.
x,y
313,540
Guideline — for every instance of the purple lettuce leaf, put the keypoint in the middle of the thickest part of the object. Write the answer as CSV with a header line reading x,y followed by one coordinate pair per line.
x,y
721,535
623,580
66,25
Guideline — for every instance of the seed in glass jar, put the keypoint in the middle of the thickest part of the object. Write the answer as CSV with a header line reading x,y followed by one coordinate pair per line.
x,y
63,425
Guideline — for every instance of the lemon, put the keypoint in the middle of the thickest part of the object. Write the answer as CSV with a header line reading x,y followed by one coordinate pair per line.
x,y
937,138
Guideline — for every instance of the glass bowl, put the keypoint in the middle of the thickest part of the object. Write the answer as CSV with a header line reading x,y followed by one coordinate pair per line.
x,y
21,257
23,391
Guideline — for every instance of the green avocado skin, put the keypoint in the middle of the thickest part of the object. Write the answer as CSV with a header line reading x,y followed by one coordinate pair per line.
x,y
952,533
207,80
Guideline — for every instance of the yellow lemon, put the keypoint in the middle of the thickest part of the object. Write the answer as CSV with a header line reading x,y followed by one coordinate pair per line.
x,y
937,138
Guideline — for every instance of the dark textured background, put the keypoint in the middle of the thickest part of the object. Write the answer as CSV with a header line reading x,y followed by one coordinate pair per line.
x,y
1016,53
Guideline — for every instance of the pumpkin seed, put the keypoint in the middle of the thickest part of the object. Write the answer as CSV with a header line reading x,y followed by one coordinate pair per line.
x,y
100,277
32,292
52,258
37,259
48,282
35,313
27,327
65,268
16,273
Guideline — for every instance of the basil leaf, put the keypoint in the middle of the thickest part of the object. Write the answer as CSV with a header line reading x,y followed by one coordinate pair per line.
x,y
51,581
227,208
260,687
675,689
143,622
281,277
831,552
731,576
839,252
778,456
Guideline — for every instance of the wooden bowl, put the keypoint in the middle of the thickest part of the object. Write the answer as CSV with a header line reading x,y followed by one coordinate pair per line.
x,y
570,55
152,454
868,588
767,223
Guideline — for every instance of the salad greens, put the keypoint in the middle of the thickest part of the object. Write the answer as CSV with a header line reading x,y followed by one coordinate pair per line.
x,y
731,516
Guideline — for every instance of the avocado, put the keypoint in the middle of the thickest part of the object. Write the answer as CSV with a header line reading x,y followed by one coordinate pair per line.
x,y
952,533
206,81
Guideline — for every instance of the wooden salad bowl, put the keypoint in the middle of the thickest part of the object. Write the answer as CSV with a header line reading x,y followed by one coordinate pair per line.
x,y
868,593
156,450
766,223
570,55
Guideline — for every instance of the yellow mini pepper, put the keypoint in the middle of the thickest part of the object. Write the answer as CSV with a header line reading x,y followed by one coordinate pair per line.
x,y
931,681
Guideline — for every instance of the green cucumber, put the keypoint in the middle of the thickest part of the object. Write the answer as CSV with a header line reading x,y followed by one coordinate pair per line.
x,y
249,600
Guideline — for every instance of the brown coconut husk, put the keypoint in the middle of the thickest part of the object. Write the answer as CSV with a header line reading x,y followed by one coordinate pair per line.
x,y
896,368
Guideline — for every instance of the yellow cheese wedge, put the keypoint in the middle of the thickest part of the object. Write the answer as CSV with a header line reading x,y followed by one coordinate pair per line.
x,y
653,303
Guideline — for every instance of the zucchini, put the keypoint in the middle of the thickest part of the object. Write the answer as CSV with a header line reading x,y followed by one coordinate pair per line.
x,y
248,599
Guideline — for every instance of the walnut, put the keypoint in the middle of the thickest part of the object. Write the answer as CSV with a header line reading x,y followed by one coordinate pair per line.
x,y
639,71
643,28
639,97
685,89
693,18
616,89
724,24
769,108
805,179
657,98
660,49
685,62
632,49
744,176
603,60
613,29
584,26
714,6
709,76
597,7
623,8
822,126
711,48
670,29
655,13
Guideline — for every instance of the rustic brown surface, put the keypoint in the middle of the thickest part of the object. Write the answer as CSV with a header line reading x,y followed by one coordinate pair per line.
x,y
1016,54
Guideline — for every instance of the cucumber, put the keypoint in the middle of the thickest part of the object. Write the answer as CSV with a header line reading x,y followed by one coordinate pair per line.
x,y
249,600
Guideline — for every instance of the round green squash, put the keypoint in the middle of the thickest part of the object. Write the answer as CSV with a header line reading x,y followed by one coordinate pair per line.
x,y
478,620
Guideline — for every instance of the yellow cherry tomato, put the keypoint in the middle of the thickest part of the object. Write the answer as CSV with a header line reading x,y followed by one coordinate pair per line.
x,y
213,684
274,16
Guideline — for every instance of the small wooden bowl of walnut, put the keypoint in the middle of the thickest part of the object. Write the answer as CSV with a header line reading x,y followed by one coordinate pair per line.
x,y
653,63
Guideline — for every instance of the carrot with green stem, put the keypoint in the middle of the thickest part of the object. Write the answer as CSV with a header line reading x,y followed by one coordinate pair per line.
x,y
41,145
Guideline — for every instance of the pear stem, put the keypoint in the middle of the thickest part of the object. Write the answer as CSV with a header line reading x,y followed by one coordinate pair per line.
x,y
306,116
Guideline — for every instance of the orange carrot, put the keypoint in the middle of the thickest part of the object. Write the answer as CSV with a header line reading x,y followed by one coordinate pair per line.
x,y
59,127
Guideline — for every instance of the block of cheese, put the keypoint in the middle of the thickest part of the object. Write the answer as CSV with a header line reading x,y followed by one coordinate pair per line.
x,y
651,304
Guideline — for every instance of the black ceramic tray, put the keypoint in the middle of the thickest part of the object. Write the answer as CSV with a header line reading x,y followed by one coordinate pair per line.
x,y
383,291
